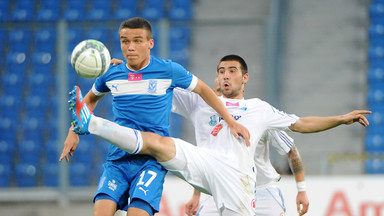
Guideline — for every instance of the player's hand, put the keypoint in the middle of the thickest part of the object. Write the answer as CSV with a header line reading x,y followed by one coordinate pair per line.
x,y
356,116
302,202
70,145
116,61
192,206
239,130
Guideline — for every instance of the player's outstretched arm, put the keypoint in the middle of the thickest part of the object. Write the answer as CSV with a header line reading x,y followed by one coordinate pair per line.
x,y
296,165
192,206
314,124
212,100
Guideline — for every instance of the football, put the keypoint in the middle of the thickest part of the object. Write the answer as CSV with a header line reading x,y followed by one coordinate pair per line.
x,y
90,58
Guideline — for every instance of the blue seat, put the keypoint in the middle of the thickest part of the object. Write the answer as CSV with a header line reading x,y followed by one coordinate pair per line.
x,y
33,127
19,39
51,174
30,151
126,9
376,56
181,10
153,9
374,166
75,10
51,150
376,35
376,76
24,10
375,96
26,175
85,151
5,175
99,11
75,36
179,33
376,12
13,85
100,34
4,10
3,40
49,10
7,150
79,174
374,144
45,39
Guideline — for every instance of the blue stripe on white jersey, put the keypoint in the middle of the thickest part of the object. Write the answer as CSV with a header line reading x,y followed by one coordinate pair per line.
x,y
144,101
286,139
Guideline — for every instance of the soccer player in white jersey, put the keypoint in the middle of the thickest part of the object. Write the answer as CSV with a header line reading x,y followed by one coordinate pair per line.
x,y
269,199
222,166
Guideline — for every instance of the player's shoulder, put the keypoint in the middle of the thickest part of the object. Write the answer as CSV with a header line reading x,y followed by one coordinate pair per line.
x,y
256,102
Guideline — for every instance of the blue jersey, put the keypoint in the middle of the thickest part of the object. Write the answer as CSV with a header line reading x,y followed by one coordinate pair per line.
x,y
143,99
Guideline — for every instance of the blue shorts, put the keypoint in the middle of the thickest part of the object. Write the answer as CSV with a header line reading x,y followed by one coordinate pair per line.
x,y
134,178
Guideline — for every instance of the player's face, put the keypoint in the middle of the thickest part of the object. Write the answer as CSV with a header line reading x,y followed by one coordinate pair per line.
x,y
136,47
231,79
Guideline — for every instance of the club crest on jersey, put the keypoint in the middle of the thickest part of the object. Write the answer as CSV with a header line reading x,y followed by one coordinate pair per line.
x,y
216,129
152,86
213,120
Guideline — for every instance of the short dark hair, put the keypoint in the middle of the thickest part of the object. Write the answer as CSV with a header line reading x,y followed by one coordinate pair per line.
x,y
232,57
137,23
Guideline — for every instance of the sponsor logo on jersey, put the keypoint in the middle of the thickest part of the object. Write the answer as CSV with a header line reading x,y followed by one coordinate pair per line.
x,y
236,117
213,120
232,104
112,185
152,86
216,129
135,77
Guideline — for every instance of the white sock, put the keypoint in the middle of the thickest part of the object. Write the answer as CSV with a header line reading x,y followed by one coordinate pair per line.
x,y
127,139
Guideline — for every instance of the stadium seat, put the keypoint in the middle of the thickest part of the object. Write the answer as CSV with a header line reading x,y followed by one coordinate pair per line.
x,y
5,175
75,36
375,96
51,174
4,10
181,10
376,35
99,11
24,10
10,106
3,40
13,84
19,39
153,9
26,175
374,166
180,33
376,56
49,10
126,9
51,150
99,33
33,127
376,76
45,39
85,151
7,149
30,151
376,12
375,144
79,174
75,10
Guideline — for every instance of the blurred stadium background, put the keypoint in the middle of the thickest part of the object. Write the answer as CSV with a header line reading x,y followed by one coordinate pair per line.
x,y
305,57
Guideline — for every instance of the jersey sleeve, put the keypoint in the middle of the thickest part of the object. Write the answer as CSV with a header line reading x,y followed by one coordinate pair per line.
x,y
183,78
280,140
277,119
100,87
184,102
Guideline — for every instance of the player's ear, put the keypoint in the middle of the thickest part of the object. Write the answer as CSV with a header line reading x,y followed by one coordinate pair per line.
x,y
151,43
245,78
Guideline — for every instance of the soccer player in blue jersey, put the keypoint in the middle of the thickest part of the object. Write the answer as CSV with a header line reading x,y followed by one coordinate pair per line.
x,y
142,90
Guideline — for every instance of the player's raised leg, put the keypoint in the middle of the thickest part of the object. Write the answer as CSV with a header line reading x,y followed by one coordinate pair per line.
x,y
127,139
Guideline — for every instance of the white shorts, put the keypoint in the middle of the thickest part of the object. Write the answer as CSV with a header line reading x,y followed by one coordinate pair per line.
x,y
232,185
269,201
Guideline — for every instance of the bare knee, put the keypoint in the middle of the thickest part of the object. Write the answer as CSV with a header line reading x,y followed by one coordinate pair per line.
x,y
162,148
104,207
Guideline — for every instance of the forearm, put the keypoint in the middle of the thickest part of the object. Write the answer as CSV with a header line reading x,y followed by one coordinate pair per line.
x,y
212,100
296,164
314,124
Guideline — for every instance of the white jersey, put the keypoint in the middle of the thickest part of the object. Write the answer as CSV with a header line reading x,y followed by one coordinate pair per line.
x,y
266,173
256,115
